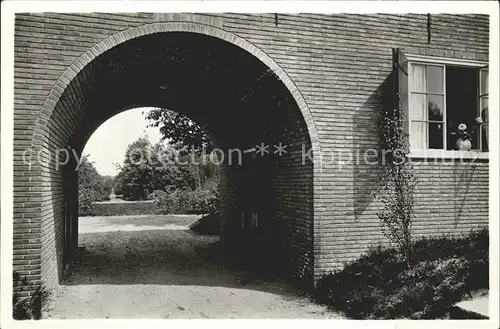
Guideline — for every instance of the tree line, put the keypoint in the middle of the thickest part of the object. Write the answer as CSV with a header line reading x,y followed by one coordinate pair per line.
x,y
152,172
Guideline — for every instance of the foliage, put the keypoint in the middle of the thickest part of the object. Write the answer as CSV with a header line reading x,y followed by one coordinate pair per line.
x,y
382,285
149,168
201,200
28,307
117,185
397,180
474,247
205,169
461,129
168,171
91,187
179,129
108,185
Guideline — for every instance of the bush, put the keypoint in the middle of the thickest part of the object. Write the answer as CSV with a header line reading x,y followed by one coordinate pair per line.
x,y
148,168
91,187
202,200
382,285
28,307
86,198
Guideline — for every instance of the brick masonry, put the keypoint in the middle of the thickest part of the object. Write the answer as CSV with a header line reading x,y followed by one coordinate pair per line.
x,y
335,68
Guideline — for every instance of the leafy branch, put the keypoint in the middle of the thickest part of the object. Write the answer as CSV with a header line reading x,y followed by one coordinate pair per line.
x,y
397,180
27,307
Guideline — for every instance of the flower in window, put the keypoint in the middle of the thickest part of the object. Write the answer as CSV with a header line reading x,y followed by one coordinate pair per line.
x,y
464,136
463,133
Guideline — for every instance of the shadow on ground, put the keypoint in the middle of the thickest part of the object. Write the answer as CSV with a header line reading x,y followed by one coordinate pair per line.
x,y
150,267
162,257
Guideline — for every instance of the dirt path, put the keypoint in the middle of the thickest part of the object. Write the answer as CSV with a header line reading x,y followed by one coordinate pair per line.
x,y
153,267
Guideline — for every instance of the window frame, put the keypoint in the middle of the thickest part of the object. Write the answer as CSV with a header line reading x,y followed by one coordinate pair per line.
x,y
481,96
443,61
426,119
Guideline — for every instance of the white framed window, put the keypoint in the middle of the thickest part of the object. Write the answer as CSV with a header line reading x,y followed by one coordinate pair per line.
x,y
427,106
442,95
483,107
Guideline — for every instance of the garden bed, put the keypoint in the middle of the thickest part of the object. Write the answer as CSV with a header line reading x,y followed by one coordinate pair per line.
x,y
382,285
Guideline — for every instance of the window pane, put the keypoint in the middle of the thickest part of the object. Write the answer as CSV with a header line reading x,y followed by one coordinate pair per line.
x,y
417,106
461,104
435,135
483,81
418,135
418,78
435,79
435,106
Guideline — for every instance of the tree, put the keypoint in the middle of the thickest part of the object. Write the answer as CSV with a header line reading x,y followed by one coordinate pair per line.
x,y
135,173
183,133
180,130
147,168
117,185
90,186
397,181
108,184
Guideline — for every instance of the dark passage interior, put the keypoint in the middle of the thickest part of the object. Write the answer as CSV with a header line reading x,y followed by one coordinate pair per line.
x,y
266,198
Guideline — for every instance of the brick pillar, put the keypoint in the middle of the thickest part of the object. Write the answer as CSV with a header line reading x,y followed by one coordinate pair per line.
x,y
70,220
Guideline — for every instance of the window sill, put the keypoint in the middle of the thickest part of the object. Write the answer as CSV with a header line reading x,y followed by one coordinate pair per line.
x,y
448,154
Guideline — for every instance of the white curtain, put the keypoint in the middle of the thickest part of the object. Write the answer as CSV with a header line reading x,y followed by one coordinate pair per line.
x,y
418,107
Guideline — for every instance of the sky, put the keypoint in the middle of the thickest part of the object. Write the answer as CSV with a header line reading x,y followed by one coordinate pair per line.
x,y
108,143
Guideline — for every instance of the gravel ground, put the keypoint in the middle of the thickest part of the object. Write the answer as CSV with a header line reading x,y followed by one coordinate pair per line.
x,y
154,267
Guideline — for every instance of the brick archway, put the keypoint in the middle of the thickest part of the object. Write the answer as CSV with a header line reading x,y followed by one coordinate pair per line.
x,y
55,126
40,131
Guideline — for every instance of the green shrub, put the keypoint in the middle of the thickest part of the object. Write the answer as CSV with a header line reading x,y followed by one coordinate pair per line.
x,y
396,178
382,285
28,307
86,199
166,202
429,286
91,187
202,200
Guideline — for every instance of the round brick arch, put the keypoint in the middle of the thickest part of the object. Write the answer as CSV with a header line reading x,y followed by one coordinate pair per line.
x,y
40,131
41,135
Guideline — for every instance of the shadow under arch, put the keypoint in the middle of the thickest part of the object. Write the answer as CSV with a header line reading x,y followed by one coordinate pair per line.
x,y
48,123
40,131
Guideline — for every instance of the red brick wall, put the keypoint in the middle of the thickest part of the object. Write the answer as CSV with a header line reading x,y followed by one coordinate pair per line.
x,y
338,63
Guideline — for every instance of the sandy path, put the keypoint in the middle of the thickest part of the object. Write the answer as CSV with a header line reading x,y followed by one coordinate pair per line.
x,y
155,268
